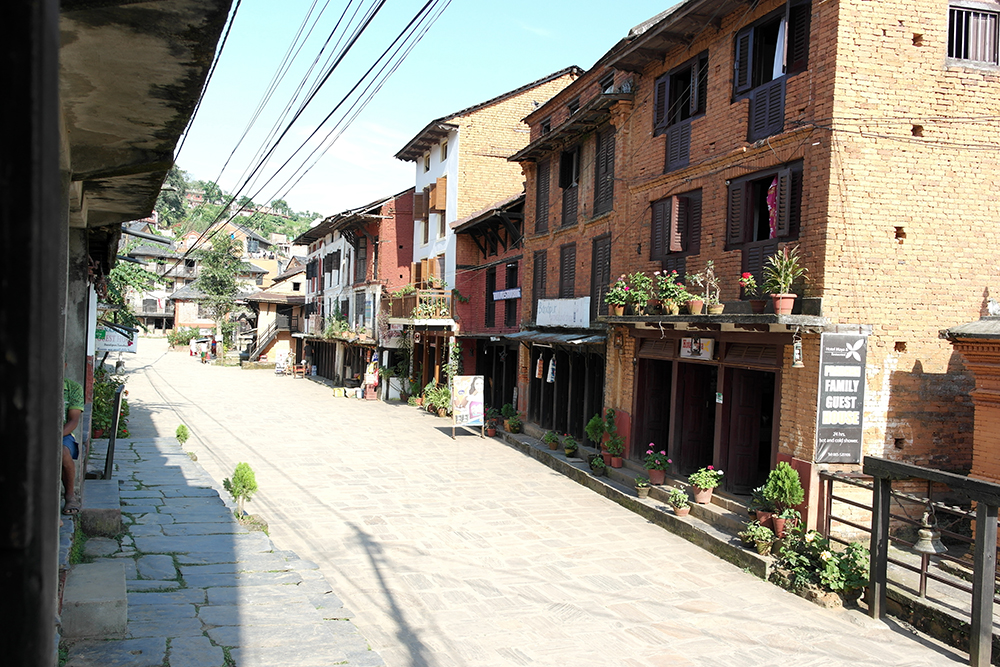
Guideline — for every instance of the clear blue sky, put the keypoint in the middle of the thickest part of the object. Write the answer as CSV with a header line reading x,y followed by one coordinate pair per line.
x,y
477,49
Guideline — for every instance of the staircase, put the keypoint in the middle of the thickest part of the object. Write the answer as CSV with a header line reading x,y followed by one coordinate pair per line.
x,y
263,340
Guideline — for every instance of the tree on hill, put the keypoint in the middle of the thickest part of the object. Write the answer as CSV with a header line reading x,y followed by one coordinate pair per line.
x,y
171,205
217,277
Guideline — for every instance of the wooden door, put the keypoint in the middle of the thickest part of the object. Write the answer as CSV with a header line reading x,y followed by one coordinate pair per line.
x,y
695,433
652,408
745,403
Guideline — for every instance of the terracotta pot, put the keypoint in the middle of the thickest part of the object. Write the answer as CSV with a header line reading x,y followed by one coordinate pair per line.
x,y
682,511
642,492
764,519
491,432
607,458
420,401
783,303
656,477
694,306
553,445
702,496
779,525
98,433
757,306
716,309
616,462
616,311
443,412
654,307
671,308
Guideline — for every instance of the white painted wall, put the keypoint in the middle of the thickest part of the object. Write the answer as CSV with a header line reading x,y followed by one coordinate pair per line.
x,y
437,245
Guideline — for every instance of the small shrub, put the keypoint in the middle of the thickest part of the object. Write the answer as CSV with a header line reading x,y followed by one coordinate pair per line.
x,y
182,434
243,485
595,429
783,488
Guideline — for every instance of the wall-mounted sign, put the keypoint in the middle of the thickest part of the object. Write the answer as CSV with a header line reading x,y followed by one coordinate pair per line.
x,y
109,340
504,294
840,414
697,348
563,312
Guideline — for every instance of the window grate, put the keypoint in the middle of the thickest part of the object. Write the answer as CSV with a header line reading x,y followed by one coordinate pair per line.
x,y
972,35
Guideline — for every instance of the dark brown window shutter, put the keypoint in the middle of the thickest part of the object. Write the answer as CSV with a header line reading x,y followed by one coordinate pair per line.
x,y
542,197
539,273
678,146
567,272
741,65
418,206
795,207
416,276
734,214
600,275
701,91
798,38
658,229
678,215
570,201
693,223
660,104
784,203
604,172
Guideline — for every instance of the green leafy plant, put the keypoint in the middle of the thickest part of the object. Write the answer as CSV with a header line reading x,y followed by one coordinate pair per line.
x,y
412,400
182,434
783,488
595,429
610,427
707,280
102,410
617,294
597,465
642,482
759,503
755,533
550,438
667,288
569,443
514,424
781,270
242,486
181,336
508,411
806,558
749,285
678,498
615,445
656,460
706,478
640,288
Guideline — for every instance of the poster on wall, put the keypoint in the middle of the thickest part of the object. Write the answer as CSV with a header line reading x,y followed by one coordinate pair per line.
x,y
697,348
467,400
840,413
109,340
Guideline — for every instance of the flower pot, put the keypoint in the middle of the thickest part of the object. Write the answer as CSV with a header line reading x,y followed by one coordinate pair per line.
x,y
654,307
442,412
716,308
783,303
757,306
702,496
764,519
694,306
764,547
682,511
420,401
607,458
656,477
616,462
616,311
553,445
506,425
779,526
642,492
671,308
98,433
491,432
570,452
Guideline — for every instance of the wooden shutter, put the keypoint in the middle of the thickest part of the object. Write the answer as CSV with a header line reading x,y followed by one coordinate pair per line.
x,y
660,104
418,206
604,171
658,229
795,204
678,214
542,197
767,110
734,214
432,198
784,203
567,272
567,168
442,193
600,275
569,206
416,274
798,38
741,65
678,146
539,271
692,240
699,93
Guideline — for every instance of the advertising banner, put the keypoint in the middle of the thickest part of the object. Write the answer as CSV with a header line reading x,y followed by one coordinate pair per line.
x,y
840,414
109,340
467,400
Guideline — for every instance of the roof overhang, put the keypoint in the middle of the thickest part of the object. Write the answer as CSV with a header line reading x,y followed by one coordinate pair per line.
x,y
345,221
587,118
987,328
545,337
428,137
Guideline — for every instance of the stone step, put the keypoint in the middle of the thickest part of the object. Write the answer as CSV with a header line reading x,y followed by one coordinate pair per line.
x,y
101,513
94,601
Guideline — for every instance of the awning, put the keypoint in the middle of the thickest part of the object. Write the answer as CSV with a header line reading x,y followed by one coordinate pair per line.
x,y
558,339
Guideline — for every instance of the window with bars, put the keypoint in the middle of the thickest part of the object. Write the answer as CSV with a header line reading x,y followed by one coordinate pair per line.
x,y
604,172
567,271
679,96
676,231
972,34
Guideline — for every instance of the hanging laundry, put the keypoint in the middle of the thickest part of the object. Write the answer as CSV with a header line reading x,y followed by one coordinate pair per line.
x,y
540,369
552,370
772,208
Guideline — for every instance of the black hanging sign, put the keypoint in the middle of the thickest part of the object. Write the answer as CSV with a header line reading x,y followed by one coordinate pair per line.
x,y
840,414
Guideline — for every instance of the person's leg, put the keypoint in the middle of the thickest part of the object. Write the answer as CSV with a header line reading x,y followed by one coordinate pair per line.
x,y
69,453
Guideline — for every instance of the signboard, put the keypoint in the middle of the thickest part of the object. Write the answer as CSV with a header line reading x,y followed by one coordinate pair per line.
x,y
563,312
840,413
467,406
504,294
109,340
697,348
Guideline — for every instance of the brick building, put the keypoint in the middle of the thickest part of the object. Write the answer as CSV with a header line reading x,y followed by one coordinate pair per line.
x,y
862,133
461,167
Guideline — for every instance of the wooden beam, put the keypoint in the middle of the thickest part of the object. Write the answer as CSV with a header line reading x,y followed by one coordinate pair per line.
x,y
986,492
474,234
984,569
879,549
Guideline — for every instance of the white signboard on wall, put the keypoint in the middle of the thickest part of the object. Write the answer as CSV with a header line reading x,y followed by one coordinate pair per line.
x,y
109,340
563,312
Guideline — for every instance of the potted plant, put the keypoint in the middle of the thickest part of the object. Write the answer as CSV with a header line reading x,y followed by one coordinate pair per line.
x,y
695,302
616,297
678,499
760,536
642,487
761,507
656,464
551,439
616,446
507,411
595,430
752,292
569,445
514,424
783,490
670,293
597,466
492,418
712,290
787,517
781,270
703,481
640,287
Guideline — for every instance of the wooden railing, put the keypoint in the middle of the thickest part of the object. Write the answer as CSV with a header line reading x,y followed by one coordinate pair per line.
x,y
424,304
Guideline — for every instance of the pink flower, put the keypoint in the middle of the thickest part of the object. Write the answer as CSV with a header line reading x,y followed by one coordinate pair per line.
x,y
711,467
662,453
649,451
670,461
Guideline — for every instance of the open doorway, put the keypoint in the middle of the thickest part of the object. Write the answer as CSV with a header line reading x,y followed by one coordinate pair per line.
x,y
695,434
749,432
652,406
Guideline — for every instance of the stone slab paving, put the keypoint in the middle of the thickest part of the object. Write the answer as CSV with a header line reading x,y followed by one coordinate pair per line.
x,y
447,552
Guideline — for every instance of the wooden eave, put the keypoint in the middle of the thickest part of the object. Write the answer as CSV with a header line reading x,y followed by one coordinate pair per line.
x,y
429,137
587,118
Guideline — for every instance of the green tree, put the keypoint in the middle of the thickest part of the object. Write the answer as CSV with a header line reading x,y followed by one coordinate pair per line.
x,y
213,193
281,207
217,277
171,204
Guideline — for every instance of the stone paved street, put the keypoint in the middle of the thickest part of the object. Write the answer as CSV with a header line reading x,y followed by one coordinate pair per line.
x,y
460,552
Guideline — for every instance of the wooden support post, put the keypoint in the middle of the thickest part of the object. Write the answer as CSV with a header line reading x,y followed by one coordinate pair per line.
x,y
879,548
984,568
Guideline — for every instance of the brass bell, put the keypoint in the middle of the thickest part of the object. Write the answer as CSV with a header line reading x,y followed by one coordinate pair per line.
x,y
928,537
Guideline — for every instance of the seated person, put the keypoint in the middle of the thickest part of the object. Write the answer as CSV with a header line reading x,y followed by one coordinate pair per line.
x,y
73,400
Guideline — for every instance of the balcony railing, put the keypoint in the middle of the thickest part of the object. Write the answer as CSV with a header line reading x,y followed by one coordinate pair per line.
x,y
152,309
424,304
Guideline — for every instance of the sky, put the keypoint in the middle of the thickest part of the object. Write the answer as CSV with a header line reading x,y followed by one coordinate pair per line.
x,y
476,50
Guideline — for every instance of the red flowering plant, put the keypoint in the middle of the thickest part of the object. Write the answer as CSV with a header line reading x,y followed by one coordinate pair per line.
x,y
706,478
749,285
618,293
656,460
667,287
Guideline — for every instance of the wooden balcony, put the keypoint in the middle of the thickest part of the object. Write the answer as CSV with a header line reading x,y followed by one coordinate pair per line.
x,y
424,304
